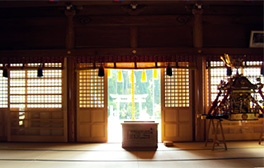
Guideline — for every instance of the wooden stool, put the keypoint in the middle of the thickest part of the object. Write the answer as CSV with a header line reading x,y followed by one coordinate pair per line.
x,y
215,131
211,122
216,141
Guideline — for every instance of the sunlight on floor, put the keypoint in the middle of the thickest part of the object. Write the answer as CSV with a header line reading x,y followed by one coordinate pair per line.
x,y
82,155
114,130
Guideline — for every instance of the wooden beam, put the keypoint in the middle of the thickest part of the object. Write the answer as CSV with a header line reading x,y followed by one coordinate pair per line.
x,y
235,51
17,22
80,21
161,20
227,20
169,20
32,53
127,51
22,4
29,4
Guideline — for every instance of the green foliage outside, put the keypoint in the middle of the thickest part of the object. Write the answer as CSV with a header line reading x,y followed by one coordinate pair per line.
x,y
125,88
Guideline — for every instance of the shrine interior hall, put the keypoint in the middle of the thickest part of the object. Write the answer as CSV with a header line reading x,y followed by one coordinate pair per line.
x,y
123,83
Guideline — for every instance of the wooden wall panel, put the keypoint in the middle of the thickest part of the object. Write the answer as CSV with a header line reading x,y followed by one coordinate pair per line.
x,y
177,124
3,125
227,36
177,111
178,36
229,31
102,36
37,33
241,130
91,123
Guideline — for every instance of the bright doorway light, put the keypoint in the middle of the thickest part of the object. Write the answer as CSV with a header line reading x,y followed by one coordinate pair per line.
x,y
146,99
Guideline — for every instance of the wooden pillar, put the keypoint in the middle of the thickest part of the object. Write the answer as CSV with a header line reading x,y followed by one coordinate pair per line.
x,y
71,77
198,28
133,37
70,29
198,75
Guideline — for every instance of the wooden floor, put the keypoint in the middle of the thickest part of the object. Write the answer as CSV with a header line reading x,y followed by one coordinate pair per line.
x,y
112,155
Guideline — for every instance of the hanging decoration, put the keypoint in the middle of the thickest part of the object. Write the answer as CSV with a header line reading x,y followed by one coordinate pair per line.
x,y
168,71
144,76
40,71
101,72
109,74
155,74
5,71
119,76
130,79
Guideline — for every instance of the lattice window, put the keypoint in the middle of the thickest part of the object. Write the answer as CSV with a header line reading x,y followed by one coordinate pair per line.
x,y
253,74
216,75
36,103
29,91
91,89
217,72
235,130
177,88
17,89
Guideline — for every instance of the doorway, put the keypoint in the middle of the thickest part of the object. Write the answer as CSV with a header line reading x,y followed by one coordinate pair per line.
x,y
132,95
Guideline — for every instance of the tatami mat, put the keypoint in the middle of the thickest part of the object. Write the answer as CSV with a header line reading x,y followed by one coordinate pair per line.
x,y
80,155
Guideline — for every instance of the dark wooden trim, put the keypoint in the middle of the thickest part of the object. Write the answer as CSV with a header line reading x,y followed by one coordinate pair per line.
x,y
227,20
71,76
33,22
128,51
22,4
37,53
169,51
199,98
70,34
249,51
198,28
32,56
71,99
165,20
133,37
198,101
193,107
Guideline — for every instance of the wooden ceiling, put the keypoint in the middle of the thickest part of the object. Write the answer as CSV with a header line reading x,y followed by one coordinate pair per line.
x,y
36,25
108,7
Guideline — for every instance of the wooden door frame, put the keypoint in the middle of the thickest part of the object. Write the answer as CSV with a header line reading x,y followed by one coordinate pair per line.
x,y
104,108
191,102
